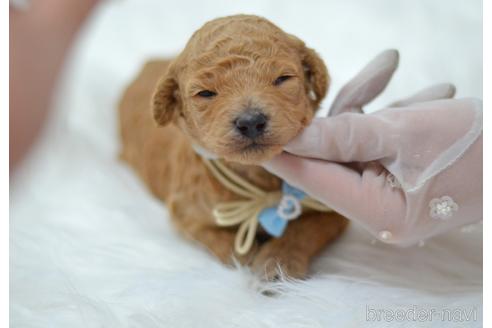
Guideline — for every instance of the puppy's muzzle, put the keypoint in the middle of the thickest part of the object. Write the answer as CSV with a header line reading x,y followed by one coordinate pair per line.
x,y
251,124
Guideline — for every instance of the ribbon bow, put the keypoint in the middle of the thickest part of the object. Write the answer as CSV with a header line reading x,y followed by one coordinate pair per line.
x,y
272,209
274,219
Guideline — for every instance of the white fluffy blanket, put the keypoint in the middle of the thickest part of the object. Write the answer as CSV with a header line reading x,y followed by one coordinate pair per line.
x,y
90,247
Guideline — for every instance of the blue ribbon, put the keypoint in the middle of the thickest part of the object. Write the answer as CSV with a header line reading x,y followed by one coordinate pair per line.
x,y
269,218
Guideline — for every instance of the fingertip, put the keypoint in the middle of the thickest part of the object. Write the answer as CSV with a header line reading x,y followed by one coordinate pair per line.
x,y
442,91
307,141
387,61
270,165
281,160
288,167
451,90
394,54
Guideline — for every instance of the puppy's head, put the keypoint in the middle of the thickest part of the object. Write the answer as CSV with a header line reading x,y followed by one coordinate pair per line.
x,y
242,88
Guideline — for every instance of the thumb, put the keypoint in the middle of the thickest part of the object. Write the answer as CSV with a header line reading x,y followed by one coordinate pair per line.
x,y
330,183
348,137
363,197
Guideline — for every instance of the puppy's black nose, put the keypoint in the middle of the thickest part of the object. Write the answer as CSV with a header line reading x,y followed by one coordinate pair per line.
x,y
251,125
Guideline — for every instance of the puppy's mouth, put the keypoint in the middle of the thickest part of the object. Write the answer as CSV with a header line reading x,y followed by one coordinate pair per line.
x,y
253,147
248,151
254,152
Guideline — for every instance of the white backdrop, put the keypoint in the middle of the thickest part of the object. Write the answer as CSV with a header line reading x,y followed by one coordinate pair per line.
x,y
90,247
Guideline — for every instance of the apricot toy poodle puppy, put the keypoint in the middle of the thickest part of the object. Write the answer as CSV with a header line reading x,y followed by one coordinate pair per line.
x,y
241,89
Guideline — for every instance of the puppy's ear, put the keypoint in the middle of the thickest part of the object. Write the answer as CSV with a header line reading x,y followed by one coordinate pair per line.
x,y
317,78
166,101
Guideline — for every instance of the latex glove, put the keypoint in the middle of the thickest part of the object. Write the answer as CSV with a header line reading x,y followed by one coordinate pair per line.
x,y
406,172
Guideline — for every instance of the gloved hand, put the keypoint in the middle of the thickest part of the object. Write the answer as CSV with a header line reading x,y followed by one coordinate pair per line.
x,y
406,172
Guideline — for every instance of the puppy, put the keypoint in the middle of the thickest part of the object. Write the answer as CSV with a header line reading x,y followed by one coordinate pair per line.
x,y
241,89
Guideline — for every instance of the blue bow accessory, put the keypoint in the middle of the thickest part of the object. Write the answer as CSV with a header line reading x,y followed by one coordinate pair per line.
x,y
275,219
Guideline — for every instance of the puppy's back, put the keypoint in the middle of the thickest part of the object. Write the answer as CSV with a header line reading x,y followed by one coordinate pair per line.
x,y
140,135
134,108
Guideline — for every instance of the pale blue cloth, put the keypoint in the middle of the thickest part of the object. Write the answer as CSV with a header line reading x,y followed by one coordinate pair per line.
x,y
269,218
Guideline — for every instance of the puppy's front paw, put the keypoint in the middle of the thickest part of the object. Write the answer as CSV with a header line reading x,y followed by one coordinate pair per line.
x,y
272,262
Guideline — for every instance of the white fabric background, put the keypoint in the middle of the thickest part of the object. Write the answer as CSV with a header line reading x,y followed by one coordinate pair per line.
x,y
90,247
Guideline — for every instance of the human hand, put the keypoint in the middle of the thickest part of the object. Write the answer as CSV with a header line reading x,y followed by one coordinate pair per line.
x,y
406,173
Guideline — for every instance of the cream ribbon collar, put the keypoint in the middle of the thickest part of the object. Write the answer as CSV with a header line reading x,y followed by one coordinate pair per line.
x,y
271,209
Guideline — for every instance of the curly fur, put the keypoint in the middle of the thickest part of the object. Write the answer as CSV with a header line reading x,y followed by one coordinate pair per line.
x,y
238,57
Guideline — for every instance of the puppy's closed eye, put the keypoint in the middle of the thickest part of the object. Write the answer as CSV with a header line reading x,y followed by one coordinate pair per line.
x,y
206,94
281,79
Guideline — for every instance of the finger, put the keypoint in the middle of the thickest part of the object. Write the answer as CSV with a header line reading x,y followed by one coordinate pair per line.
x,y
365,198
344,138
328,182
435,92
366,85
